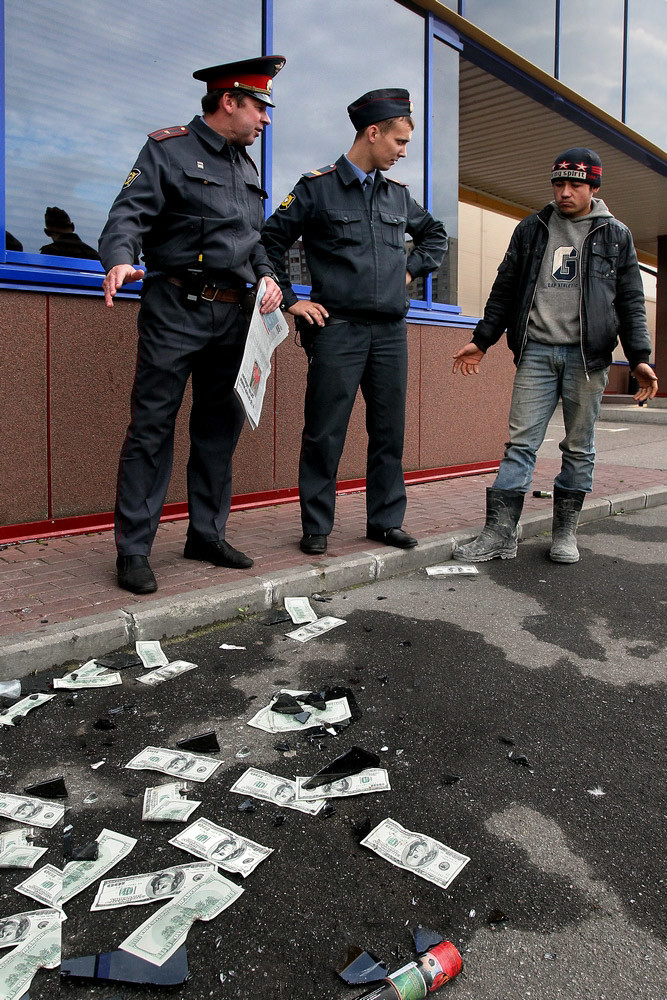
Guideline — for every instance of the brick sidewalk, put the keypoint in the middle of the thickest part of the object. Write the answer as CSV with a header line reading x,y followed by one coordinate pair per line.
x,y
43,583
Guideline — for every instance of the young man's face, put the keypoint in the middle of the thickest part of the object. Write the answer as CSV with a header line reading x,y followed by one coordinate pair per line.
x,y
573,198
391,147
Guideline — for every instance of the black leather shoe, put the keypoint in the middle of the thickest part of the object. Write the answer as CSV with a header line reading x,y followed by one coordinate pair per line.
x,y
313,545
218,552
135,574
391,536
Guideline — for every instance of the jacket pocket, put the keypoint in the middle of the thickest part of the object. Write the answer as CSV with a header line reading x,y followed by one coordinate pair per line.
x,y
604,259
393,229
344,227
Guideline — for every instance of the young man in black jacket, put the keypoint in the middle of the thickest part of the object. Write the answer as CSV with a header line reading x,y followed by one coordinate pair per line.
x,y
568,287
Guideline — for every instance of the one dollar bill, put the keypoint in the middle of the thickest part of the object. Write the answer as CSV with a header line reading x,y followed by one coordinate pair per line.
x,y
174,762
373,779
151,887
222,847
272,788
415,852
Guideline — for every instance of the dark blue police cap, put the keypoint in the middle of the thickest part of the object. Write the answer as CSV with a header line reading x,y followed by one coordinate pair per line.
x,y
378,105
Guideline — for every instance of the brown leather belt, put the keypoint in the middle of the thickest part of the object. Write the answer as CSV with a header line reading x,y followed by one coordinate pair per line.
x,y
212,294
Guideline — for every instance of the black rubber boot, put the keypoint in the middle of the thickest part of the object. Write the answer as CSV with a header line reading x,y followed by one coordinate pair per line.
x,y
567,507
499,537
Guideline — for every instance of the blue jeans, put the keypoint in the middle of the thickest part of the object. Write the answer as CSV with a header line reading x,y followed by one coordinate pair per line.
x,y
547,373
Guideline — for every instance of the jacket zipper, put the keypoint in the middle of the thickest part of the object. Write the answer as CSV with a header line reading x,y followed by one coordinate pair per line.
x,y
581,297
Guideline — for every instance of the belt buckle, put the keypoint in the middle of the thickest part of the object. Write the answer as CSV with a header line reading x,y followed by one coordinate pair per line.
x,y
208,288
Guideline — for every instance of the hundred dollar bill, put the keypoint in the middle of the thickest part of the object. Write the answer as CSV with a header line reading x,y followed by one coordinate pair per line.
x,y
157,938
45,885
89,675
151,654
272,788
162,674
452,569
337,710
36,935
174,762
300,610
29,810
21,708
222,847
373,779
415,852
78,875
16,851
165,804
151,887
307,632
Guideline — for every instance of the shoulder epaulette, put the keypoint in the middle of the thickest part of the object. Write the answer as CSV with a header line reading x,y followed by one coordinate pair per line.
x,y
394,181
168,133
322,170
252,161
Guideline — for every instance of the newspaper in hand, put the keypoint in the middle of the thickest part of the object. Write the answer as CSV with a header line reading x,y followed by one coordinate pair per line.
x,y
337,710
89,675
272,788
35,940
264,334
312,630
300,610
21,708
174,762
162,674
151,654
78,875
16,851
29,810
452,569
166,929
373,779
165,804
415,852
151,887
45,885
222,847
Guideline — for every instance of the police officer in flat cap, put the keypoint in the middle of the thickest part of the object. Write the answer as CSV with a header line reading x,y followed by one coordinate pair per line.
x,y
193,204
353,221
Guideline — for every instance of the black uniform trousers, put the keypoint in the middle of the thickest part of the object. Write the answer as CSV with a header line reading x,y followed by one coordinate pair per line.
x,y
342,356
174,342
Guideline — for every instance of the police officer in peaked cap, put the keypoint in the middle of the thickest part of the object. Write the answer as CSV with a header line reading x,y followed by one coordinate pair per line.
x,y
192,204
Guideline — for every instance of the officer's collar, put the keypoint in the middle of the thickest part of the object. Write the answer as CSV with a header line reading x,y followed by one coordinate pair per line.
x,y
348,176
205,132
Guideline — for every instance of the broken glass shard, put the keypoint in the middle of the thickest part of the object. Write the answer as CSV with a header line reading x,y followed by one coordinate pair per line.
x,y
362,827
353,761
509,740
303,717
204,743
104,724
87,852
90,798
51,788
362,967
247,806
286,704
450,779
282,746
119,661
321,598
122,967
424,938
279,819
243,752
276,616
327,810
315,699
518,758
496,917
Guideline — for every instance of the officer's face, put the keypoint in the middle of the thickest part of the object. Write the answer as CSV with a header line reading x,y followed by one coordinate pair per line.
x,y
247,121
391,147
573,197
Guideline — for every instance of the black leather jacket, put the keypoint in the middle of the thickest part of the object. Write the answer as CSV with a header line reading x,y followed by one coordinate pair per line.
x,y
357,259
612,295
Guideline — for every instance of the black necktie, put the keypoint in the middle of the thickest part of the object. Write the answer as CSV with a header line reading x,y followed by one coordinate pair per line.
x,y
368,188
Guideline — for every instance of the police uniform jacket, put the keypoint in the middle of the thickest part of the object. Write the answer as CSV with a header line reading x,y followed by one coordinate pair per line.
x,y
357,258
189,192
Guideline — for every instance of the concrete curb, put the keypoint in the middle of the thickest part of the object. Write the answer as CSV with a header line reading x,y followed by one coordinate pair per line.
x,y
84,638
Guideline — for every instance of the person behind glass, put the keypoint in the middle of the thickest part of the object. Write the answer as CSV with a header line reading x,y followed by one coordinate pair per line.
x,y
66,243
193,203
353,222
568,284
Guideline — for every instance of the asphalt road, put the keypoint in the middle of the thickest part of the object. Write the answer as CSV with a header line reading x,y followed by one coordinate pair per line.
x,y
568,661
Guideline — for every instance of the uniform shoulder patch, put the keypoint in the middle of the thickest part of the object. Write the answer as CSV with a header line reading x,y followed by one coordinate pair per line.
x,y
394,181
168,133
131,177
322,170
286,202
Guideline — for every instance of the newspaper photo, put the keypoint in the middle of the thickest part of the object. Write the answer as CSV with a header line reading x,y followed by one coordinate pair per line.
x,y
264,335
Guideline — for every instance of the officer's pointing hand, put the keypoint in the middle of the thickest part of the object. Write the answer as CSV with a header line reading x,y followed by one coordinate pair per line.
x,y
272,296
313,312
120,275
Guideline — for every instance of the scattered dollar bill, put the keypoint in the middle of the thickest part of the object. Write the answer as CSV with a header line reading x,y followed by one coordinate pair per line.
x,y
78,875
151,887
89,675
165,804
162,674
174,762
222,847
272,788
373,779
45,885
151,654
300,611
36,936
337,710
21,708
29,810
415,852
16,851
452,569
166,929
307,632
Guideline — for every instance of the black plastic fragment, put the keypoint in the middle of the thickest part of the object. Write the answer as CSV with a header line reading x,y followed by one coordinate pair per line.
x,y
315,699
327,810
131,793
424,938
509,740
204,743
362,967
282,746
67,844
121,967
104,724
119,709
450,779
279,819
247,806
118,661
518,758
321,598
286,704
50,788
303,717
362,827
496,917
87,852
276,616
353,761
